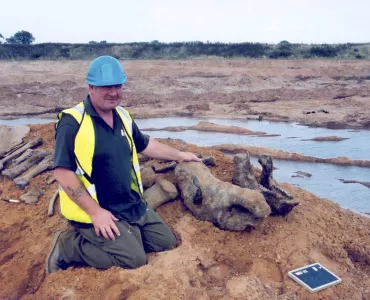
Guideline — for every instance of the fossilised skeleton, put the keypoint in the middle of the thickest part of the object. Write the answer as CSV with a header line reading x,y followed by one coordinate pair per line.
x,y
210,199
279,200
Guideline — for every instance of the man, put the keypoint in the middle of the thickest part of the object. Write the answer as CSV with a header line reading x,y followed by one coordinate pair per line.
x,y
100,189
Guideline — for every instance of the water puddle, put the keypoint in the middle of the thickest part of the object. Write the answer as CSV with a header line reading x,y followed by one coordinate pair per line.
x,y
290,139
324,181
25,121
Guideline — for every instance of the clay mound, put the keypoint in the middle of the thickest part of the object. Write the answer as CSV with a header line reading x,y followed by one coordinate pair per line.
x,y
210,263
211,127
68,84
284,155
326,139
11,137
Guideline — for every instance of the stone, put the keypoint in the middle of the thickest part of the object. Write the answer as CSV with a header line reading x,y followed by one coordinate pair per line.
x,y
31,196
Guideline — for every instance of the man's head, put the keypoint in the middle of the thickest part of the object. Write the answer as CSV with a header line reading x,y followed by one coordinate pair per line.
x,y
105,78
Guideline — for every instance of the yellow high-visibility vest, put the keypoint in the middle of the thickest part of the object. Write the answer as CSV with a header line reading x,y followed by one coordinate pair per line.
x,y
84,153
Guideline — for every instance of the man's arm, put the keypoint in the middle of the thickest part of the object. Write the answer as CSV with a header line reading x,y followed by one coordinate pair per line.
x,y
158,150
102,219
155,149
64,167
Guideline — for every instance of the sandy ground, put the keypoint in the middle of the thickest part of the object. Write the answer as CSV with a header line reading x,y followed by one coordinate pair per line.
x,y
279,90
209,263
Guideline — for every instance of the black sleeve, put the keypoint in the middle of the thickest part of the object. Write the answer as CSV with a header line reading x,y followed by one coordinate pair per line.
x,y
64,143
141,141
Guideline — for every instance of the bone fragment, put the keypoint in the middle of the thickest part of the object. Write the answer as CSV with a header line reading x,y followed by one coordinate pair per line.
x,y
148,177
243,172
166,168
209,161
280,201
35,158
26,155
46,164
52,203
32,144
12,149
160,193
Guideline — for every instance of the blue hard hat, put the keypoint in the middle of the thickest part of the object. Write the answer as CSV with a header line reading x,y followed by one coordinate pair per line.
x,y
104,71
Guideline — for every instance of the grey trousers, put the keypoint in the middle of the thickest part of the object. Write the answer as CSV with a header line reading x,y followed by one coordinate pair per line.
x,y
148,234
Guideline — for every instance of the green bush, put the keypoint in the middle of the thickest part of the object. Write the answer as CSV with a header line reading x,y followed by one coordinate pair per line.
x,y
183,50
326,50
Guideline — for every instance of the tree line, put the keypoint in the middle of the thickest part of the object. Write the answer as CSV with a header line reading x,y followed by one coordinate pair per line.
x,y
19,46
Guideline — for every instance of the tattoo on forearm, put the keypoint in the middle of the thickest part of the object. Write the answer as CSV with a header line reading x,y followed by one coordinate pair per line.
x,y
76,193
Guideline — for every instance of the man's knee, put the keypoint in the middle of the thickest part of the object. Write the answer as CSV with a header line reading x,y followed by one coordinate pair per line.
x,y
171,242
135,260
168,242
140,260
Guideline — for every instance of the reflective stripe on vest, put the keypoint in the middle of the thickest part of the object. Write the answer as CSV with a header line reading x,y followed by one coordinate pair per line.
x,y
84,153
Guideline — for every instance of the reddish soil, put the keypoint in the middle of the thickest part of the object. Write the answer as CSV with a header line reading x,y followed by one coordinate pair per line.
x,y
208,264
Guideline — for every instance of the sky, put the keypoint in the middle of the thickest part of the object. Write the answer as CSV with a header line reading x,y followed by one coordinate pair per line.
x,y
266,21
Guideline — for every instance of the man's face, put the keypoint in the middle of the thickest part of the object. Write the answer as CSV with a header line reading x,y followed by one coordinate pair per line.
x,y
105,98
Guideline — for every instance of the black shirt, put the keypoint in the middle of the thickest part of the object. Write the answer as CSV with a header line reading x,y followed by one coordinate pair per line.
x,y
111,172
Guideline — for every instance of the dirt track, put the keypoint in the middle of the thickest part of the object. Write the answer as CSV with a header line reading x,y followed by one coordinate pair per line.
x,y
279,90
209,263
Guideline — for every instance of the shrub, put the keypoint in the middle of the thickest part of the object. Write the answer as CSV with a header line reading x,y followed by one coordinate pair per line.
x,y
324,50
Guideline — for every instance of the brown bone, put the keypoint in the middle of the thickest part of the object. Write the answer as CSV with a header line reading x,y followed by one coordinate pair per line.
x,y
160,193
208,161
11,150
32,144
26,155
35,158
148,177
166,168
280,201
243,172
52,203
46,164
222,203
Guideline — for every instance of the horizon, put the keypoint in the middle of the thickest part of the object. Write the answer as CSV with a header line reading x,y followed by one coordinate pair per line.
x,y
175,42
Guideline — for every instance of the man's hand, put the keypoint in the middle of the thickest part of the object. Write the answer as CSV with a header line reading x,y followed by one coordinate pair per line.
x,y
104,225
188,156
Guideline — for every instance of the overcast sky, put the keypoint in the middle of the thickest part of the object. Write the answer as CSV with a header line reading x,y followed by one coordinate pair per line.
x,y
80,21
